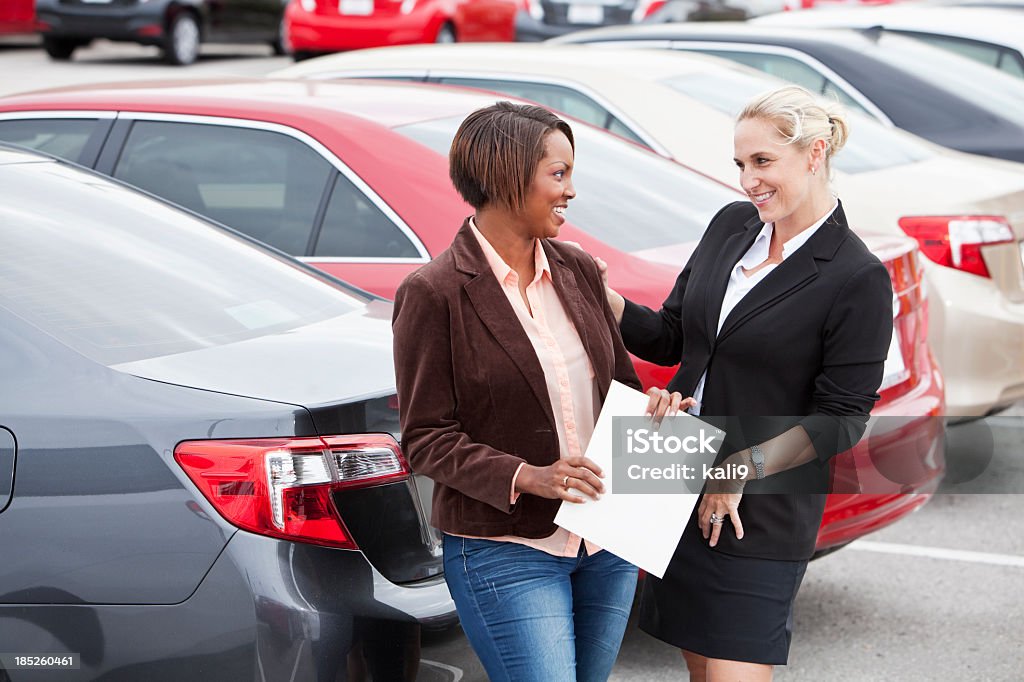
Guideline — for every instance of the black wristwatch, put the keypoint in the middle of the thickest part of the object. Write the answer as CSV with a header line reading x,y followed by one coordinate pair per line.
x,y
757,459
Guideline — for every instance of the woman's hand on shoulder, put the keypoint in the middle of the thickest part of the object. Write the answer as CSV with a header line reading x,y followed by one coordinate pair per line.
x,y
557,480
615,299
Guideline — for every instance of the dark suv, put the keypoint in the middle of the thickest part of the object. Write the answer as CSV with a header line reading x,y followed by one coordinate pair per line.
x,y
176,26
200,475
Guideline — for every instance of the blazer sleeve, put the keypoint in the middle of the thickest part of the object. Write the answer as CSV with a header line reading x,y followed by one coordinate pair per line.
x,y
657,336
432,436
857,334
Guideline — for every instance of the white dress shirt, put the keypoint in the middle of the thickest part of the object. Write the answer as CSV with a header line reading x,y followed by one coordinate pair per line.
x,y
740,283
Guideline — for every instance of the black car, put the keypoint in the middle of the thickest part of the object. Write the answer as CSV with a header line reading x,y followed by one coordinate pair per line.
x,y
541,19
176,26
200,476
940,96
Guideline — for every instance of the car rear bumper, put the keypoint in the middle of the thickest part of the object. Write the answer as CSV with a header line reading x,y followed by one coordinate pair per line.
x,y
333,33
267,610
978,337
143,23
529,29
898,464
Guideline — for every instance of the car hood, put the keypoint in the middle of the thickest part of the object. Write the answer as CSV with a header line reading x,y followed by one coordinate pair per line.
x,y
339,360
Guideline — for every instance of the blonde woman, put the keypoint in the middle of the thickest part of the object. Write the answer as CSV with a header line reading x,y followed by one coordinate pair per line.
x,y
782,319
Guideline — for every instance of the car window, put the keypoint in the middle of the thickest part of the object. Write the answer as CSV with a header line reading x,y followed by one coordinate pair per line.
x,y
354,227
263,183
871,146
1011,63
557,97
149,279
984,87
62,137
619,128
788,69
667,204
979,52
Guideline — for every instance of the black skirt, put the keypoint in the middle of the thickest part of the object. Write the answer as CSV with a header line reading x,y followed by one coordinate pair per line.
x,y
720,605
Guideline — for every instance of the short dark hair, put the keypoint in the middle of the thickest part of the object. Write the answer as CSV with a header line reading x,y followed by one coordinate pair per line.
x,y
496,151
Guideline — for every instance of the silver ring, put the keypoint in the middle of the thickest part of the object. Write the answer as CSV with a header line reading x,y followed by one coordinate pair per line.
x,y
565,482
716,519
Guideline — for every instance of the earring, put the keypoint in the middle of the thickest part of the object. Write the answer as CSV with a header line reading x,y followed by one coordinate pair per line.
x,y
814,171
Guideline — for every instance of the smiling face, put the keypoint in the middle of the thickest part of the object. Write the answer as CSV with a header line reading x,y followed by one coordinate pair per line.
x,y
544,211
776,176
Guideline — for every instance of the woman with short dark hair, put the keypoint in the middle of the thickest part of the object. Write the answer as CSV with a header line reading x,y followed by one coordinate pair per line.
x,y
505,348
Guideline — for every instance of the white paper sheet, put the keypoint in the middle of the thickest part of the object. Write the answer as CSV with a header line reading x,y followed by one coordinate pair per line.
x,y
642,529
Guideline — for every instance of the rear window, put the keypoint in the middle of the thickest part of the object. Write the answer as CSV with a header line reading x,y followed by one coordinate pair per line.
x,y
119,277
871,145
998,92
62,137
628,198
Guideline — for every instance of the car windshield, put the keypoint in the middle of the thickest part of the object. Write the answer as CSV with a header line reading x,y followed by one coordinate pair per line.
x,y
627,197
983,85
870,147
119,276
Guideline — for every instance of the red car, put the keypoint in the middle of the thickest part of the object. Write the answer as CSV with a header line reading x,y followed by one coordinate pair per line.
x,y
17,16
320,26
348,177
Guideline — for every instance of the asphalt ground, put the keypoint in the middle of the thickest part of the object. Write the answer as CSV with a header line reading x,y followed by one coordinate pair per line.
x,y
937,596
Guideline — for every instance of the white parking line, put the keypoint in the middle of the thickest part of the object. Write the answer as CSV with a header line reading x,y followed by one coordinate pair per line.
x,y
938,553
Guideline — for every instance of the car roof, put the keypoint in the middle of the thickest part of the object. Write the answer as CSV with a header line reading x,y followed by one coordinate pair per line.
x,y
568,61
283,101
1002,26
723,30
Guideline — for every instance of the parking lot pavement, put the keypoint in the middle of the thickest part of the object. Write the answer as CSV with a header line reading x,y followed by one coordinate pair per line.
x,y
25,67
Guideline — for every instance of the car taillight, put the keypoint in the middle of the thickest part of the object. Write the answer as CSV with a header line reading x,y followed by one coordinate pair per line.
x,y
646,8
281,487
956,241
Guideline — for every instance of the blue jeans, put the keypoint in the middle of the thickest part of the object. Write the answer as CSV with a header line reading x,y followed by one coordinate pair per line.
x,y
534,617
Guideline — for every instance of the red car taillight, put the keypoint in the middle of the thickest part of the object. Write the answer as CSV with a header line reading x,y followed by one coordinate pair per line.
x,y
646,8
956,241
281,487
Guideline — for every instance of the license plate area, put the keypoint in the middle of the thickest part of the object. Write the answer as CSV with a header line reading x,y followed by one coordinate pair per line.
x,y
585,14
358,8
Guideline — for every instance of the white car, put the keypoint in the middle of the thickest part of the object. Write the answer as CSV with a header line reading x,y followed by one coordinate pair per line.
x,y
988,35
682,106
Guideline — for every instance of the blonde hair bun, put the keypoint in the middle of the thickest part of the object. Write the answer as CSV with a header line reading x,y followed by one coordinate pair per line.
x,y
801,117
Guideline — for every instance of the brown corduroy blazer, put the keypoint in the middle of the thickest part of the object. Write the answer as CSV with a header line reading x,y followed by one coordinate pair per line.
x,y
472,395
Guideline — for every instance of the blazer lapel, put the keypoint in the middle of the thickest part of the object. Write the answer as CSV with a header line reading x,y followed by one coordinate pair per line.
x,y
495,311
732,250
572,301
792,274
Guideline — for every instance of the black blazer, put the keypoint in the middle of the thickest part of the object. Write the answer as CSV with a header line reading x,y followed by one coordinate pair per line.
x,y
806,346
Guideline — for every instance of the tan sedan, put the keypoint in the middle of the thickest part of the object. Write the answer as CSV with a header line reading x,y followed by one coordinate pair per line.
x,y
967,212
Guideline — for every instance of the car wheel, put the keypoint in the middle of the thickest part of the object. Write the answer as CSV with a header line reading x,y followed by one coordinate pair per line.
x,y
282,44
60,48
446,34
182,43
